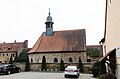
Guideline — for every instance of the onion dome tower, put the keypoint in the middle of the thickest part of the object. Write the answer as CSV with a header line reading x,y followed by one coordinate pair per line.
x,y
49,25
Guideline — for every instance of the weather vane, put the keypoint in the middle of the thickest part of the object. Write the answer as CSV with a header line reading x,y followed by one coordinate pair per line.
x,y
49,11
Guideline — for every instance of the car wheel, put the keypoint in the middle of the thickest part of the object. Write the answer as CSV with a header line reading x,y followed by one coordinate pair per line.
x,y
65,76
19,70
77,76
8,73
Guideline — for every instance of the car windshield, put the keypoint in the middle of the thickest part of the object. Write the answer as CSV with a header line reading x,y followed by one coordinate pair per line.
x,y
71,67
1,66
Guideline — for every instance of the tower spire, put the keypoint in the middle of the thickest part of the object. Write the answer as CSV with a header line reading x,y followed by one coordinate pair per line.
x,y
49,25
49,18
49,11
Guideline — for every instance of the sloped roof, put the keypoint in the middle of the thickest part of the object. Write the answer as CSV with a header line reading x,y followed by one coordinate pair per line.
x,y
12,47
104,57
69,40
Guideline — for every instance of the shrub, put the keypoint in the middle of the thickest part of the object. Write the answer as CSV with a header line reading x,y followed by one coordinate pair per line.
x,y
107,76
80,65
95,69
27,65
44,64
101,76
62,67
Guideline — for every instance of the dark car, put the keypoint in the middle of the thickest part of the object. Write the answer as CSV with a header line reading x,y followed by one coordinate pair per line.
x,y
9,68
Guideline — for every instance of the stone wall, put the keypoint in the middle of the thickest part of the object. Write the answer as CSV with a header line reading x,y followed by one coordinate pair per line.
x,y
21,65
37,66
51,67
37,57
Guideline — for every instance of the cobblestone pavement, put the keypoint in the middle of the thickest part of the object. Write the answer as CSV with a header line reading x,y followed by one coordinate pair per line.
x,y
42,75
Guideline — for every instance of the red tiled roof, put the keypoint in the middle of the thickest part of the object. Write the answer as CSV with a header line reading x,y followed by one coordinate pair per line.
x,y
70,40
12,47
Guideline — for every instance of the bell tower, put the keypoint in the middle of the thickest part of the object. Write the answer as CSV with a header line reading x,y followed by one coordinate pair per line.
x,y
49,25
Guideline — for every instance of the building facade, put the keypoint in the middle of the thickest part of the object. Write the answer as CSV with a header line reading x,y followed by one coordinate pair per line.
x,y
8,49
112,26
111,38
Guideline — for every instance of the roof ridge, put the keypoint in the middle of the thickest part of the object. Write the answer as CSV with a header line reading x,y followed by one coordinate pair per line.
x,y
68,30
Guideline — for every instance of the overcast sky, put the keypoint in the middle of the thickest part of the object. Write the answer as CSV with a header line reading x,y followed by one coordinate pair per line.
x,y
25,19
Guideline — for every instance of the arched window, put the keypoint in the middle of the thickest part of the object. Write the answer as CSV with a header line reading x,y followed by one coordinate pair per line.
x,y
3,54
13,54
70,59
31,60
55,60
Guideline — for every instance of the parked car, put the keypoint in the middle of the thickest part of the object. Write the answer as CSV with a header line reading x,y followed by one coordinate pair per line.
x,y
9,68
71,71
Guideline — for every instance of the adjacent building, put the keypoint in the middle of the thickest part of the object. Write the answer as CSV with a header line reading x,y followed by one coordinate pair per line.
x,y
94,53
8,49
111,38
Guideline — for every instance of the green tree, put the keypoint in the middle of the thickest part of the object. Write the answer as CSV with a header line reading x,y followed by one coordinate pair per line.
x,y
93,52
22,56
11,60
27,65
62,67
80,65
44,63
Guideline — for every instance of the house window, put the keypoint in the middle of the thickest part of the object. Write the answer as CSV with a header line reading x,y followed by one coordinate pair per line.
x,y
70,59
55,60
109,2
8,48
88,60
105,49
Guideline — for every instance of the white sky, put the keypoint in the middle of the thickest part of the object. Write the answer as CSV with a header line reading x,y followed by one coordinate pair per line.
x,y
25,19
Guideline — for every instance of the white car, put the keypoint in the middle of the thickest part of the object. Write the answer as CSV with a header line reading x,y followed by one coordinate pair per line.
x,y
71,71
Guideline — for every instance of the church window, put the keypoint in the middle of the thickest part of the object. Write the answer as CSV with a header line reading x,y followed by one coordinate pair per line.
x,y
13,55
55,60
3,54
37,60
7,54
70,59
31,60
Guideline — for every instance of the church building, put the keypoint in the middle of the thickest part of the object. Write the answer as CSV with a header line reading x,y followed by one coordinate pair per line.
x,y
68,45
